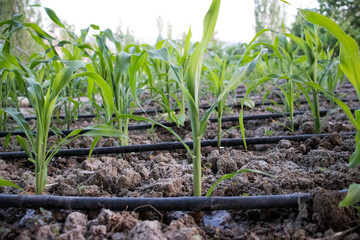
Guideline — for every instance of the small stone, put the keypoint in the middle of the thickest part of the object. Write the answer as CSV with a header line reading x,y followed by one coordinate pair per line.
x,y
147,230
91,164
99,230
307,128
319,157
302,148
226,165
48,231
284,143
75,220
83,175
90,191
170,187
119,236
129,179
72,235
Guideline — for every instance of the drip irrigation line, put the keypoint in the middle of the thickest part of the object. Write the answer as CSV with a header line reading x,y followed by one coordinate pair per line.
x,y
269,116
345,91
227,142
149,204
173,124
205,107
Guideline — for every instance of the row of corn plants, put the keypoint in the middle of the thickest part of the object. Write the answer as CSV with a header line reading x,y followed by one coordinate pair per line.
x,y
173,73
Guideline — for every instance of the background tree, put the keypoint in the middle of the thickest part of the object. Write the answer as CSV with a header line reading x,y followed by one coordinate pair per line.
x,y
346,13
21,39
269,14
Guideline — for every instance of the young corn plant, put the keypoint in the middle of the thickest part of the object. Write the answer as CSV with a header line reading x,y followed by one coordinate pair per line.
x,y
36,146
350,65
218,85
190,87
288,93
312,47
166,88
121,71
8,91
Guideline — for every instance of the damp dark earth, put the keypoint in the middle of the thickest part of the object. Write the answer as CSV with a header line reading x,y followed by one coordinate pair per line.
x,y
102,137
318,166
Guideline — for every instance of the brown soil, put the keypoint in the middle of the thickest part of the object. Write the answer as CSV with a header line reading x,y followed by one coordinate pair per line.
x,y
317,166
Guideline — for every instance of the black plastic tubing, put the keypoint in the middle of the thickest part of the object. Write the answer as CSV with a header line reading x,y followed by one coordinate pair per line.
x,y
148,204
172,124
153,111
171,146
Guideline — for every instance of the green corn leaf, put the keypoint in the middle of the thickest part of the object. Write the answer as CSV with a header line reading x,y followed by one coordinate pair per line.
x,y
6,22
139,118
63,78
41,33
90,88
105,89
68,54
7,183
355,157
347,111
95,27
304,46
136,64
122,63
215,79
13,60
349,50
187,43
163,54
24,146
34,93
93,145
7,139
24,126
236,79
258,34
108,62
103,130
195,64
231,175
249,102
52,15
352,197
56,130
242,127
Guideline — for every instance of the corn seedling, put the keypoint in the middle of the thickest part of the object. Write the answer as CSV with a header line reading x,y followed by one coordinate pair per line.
x,y
166,87
121,71
36,147
350,65
218,85
312,47
190,87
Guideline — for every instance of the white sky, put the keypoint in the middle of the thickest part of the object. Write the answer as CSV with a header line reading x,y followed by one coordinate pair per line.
x,y
236,21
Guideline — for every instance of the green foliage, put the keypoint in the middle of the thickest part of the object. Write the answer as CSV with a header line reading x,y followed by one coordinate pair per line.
x,y
350,65
345,13
231,175
352,197
7,183
20,11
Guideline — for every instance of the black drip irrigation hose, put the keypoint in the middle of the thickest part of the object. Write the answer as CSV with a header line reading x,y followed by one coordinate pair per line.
x,y
149,204
268,116
173,124
205,107
228,142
